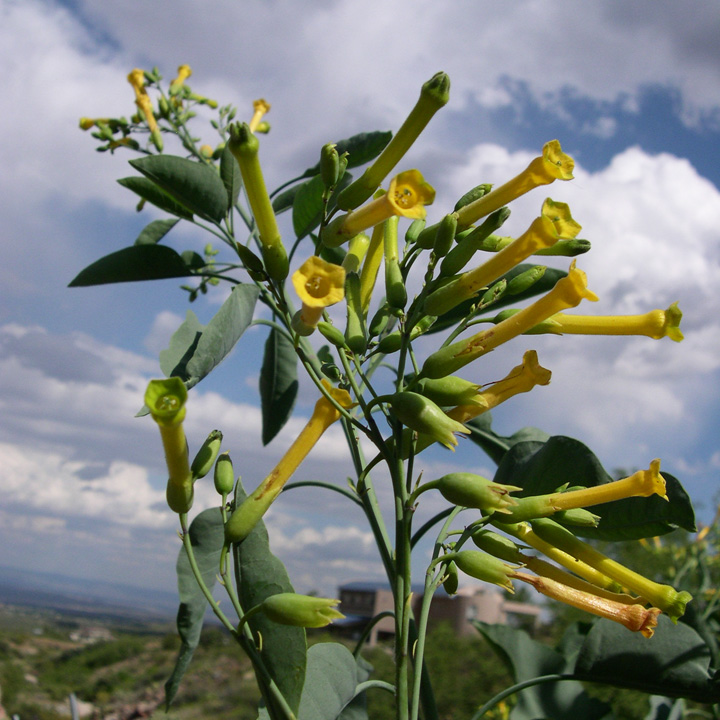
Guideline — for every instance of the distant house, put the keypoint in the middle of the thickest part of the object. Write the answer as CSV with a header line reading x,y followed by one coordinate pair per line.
x,y
361,601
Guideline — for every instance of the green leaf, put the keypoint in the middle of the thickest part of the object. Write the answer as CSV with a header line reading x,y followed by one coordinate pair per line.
x,y
131,264
223,331
675,662
193,260
542,286
330,682
540,468
284,201
230,176
195,349
356,709
155,231
308,204
259,574
195,185
278,384
206,537
361,148
183,343
527,659
482,434
149,191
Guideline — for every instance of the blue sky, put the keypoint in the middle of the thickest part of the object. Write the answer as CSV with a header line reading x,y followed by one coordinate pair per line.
x,y
632,91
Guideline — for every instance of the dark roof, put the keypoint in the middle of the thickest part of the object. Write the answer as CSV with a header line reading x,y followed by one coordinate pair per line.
x,y
360,586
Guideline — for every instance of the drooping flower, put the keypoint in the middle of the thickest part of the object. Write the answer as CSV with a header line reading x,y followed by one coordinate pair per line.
x,y
184,72
318,284
407,196
665,597
568,292
634,617
245,517
137,79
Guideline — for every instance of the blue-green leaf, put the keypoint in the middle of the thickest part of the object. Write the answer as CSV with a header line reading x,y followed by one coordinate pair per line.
x,y
675,662
259,574
155,231
206,537
527,659
278,384
308,204
149,191
132,264
194,185
482,434
540,468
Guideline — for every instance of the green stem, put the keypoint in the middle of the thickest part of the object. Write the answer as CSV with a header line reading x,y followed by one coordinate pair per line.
x,y
368,629
369,684
432,521
327,486
517,688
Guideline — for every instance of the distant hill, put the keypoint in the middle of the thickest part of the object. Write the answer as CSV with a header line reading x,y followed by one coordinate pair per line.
x,y
84,597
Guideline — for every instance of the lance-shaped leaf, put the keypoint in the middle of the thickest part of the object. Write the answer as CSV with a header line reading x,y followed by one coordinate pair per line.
x,y
134,263
195,350
540,468
206,537
155,231
149,191
675,662
194,185
308,204
259,574
278,384
230,176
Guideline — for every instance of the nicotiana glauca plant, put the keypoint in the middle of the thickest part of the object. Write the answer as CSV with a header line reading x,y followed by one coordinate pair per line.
x,y
398,292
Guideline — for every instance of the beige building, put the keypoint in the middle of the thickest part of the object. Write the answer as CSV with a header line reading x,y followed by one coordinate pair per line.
x,y
361,601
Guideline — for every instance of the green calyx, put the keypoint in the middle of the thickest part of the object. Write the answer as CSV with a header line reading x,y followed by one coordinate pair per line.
x,y
166,400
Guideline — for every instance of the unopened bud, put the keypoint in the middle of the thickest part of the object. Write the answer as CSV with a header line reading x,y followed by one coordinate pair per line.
x,y
206,455
224,477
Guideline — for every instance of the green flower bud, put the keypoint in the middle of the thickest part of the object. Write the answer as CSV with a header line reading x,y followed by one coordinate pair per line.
x,y
414,230
452,580
471,195
206,455
485,567
329,165
499,546
224,477
451,390
525,280
379,320
424,416
471,241
331,333
301,610
355,337
580,517
475,491
445,235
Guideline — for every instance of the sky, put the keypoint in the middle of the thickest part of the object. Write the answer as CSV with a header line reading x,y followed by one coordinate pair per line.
x,y
631,90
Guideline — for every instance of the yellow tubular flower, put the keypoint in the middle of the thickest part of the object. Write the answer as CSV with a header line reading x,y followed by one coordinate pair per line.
x,y
524,532
357,250
655,324
184,72
634,617
568,292
665,597
260,107
559,213
318,284
542,233
643,483
245,517
553,165
407,196
137,79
